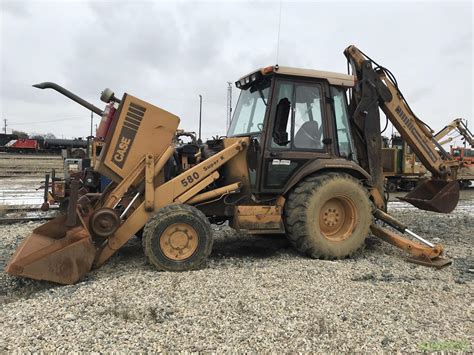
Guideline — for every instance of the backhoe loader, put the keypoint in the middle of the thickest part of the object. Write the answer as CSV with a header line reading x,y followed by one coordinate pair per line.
x,y
302,157
464,155
460,127
401,167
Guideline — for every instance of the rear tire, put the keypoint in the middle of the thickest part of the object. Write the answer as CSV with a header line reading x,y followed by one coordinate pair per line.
x,y
177,238
328,216
464,184
391,186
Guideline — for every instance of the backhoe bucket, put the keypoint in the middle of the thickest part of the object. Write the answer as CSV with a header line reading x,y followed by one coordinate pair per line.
x,y
434,195
54,252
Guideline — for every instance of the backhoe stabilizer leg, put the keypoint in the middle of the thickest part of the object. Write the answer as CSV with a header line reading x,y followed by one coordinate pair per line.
x,y
420,254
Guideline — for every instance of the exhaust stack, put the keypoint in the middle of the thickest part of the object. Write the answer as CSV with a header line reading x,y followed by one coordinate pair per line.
x,y
73,97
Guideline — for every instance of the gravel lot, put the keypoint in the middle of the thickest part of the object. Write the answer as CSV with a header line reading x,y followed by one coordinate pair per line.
x,y
256,294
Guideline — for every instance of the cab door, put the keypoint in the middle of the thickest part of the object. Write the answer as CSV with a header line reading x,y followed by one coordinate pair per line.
x,y
300,130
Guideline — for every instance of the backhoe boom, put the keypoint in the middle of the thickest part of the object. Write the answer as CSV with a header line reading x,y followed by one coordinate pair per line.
x,y
376,89
413,130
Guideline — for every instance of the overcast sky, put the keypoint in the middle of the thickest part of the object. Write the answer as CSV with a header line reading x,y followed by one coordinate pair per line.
x,y
170,52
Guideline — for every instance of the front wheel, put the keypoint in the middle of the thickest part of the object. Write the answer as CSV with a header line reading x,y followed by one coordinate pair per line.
x,y
177,238
328,216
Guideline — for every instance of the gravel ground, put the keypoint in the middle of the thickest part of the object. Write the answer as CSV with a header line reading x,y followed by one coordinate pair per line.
x,y
256,294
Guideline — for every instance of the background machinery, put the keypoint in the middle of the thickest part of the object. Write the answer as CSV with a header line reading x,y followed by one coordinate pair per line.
x,y
456,125
463,154
299,160
403,170
401,167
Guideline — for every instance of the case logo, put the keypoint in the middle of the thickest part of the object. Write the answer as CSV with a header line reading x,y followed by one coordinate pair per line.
x,y
129,130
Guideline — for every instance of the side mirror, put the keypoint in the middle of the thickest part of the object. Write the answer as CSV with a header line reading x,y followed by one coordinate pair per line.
x,y
280,135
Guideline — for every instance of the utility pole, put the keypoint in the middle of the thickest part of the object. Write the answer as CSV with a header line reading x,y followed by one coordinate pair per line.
x,y
200,116
5,125
92,121
229,105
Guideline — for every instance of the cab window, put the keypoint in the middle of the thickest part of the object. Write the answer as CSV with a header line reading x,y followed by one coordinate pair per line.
x,y
308,121
305,119
342,122
250,110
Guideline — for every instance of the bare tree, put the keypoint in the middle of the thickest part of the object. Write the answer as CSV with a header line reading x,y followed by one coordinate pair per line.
x,y
20,134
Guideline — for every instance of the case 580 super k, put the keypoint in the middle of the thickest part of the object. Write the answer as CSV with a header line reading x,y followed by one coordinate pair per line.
x,y
299,159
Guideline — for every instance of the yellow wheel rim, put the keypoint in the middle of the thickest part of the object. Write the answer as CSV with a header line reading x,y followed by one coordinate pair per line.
x,y
337,218
179,241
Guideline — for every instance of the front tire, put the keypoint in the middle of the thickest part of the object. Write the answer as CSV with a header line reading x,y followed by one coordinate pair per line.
x,y
328,216
177,238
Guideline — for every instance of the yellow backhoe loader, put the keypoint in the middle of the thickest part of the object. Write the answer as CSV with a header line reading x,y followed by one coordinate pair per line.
x,y
298,159
460,127
462,154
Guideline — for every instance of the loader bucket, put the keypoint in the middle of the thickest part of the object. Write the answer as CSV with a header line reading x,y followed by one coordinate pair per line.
x,y
54,252
434,195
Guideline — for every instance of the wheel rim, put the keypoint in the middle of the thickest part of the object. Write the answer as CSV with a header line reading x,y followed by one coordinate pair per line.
x,y
337,218
179,241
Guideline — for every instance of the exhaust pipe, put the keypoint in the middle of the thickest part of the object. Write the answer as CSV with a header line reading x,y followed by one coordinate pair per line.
x,y
73,97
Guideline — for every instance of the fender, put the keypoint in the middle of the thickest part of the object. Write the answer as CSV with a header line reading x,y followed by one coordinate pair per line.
x,y
320,165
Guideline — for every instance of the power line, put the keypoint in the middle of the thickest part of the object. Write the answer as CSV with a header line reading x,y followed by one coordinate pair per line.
x,y
48,121
200,116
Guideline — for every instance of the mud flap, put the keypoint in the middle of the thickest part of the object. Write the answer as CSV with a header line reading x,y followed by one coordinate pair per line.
x,y
434,195
54,252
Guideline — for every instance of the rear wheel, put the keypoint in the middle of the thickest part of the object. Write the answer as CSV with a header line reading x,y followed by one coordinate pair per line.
x,y
391,185
328,216
464,184
177,238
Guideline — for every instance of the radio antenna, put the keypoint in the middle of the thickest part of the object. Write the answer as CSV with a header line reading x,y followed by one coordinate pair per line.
x,y
278,39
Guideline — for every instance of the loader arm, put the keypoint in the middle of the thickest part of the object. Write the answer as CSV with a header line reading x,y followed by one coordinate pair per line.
x,y
376,88
180,189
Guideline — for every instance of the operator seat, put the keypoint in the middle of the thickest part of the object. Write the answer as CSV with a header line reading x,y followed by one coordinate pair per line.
x,y
308,136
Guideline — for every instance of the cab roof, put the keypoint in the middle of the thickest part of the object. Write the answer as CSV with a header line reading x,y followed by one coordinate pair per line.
x,y
337,79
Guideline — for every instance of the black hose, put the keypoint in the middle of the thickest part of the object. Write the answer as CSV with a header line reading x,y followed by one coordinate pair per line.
x,y
386,125
393,79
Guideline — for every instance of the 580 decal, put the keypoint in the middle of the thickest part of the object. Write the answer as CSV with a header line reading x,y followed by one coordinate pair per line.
x,y
190,179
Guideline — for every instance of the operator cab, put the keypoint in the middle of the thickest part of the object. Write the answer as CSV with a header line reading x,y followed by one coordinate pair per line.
x,y
293,117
